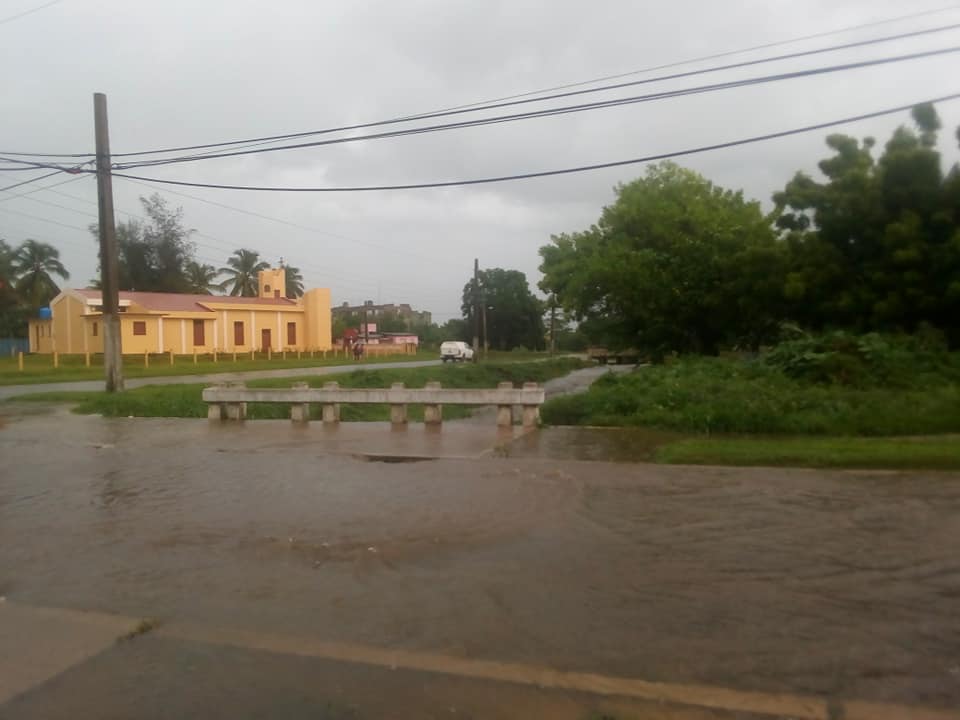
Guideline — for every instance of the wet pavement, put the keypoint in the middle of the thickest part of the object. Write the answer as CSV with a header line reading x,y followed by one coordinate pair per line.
x,y
281,561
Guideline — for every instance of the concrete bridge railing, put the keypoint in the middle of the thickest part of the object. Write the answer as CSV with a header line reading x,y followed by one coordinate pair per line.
x,y
229,402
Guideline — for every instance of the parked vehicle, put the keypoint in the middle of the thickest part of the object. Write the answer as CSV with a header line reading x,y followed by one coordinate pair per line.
x,y
455,350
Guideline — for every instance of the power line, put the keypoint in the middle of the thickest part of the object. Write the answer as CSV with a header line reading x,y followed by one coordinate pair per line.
x,y
223,246
11,18
702,58
42,219
500,101
254,142
562,171
289,223
45,187
27,182
568,109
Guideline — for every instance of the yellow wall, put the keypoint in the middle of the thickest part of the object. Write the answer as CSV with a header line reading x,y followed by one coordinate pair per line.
x,y
317,318
67,324
272,283
94,343
165,332
40,334
255,320
138,344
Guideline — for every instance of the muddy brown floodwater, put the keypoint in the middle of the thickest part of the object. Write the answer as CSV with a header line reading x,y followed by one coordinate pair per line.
x,y
829,583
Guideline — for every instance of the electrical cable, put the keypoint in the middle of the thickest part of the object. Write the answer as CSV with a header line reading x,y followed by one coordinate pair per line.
x,y
702,58
254,142
568,109
11,18
562,171
31,180
500,102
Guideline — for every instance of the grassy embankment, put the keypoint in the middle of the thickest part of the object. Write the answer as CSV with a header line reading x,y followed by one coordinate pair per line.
x,y
754,413
39,369
186,401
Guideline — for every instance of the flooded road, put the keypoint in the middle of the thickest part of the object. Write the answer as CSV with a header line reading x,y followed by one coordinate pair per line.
x,y
839,584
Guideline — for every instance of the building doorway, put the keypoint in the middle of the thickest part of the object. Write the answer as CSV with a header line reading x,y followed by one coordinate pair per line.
x,y
265,343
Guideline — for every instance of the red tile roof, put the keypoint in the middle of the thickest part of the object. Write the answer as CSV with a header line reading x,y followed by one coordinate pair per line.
x,y
183,302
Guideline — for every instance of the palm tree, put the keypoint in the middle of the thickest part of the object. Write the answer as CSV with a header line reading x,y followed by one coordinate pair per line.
x,y
243,268
294,281
201,279
34,263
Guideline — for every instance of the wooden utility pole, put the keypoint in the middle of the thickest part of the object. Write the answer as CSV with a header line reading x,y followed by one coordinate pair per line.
x,y
109,276
476,309
553,325
486,338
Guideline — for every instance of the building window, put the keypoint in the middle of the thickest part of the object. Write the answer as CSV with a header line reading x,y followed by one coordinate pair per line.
x,y
198,339
238,332
139,327
95,329
266,289
291,333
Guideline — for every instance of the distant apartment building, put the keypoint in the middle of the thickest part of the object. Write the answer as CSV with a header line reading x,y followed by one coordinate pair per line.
x,y
373,312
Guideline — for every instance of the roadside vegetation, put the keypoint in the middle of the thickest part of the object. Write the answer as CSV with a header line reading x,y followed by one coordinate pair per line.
x,y
833,385
833,400
185,401
915,453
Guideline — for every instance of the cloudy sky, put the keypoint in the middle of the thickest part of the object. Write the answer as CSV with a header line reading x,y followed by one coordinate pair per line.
x,y
184,72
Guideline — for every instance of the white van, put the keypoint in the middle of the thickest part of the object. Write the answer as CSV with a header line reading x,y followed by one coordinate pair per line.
x,y
455,350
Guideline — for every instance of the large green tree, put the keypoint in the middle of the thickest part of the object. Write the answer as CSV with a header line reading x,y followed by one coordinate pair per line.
x,y
242,271
674,264
875,244
35,264
154,254
514,314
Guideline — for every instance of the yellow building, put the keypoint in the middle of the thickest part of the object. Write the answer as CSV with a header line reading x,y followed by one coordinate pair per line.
x,y
183,324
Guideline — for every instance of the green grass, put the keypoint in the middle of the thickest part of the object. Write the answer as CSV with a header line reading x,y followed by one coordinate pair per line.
x,y
924,453
712,395
186,400
39,368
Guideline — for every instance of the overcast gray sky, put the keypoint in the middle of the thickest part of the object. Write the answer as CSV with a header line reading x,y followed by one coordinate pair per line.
x,y
191,71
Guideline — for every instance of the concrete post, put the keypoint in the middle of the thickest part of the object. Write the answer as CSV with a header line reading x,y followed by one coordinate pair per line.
x,y
331,411
300,412
20,361
531,413
235,411
504,412
216,411
433,414
56,359
398,413
86,359
146,359
171,357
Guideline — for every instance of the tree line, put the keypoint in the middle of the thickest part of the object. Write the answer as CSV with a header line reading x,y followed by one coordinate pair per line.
x,y
157,255
678,264
154,255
